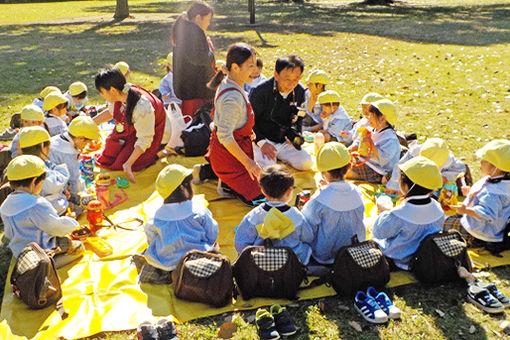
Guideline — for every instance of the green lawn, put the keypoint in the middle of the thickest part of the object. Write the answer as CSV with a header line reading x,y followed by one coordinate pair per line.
x,y
444,61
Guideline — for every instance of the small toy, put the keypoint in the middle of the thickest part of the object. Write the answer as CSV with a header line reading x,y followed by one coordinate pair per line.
x,y
99,246
302,198
93,145
380,192
365,147
118,199
448,197
87,168
122,182
103,179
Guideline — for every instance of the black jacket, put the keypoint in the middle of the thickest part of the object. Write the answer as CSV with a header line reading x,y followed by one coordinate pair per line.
x,y
192,61
274,115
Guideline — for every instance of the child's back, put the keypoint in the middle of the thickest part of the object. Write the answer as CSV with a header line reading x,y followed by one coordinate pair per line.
x,y
62,151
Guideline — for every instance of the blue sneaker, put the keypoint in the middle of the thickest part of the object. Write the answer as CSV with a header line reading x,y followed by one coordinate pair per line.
x,y
483,299
282,320
369,309
266,326
495,292
385,303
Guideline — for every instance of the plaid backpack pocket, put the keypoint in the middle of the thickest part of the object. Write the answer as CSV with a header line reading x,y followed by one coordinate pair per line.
x,y
203,266
366,255
450,244
270,259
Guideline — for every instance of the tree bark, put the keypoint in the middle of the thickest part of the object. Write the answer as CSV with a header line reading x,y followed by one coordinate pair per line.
x,y
122,9
378,2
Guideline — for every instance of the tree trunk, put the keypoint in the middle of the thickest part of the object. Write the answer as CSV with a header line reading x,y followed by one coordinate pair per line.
x,y
122,9
378,2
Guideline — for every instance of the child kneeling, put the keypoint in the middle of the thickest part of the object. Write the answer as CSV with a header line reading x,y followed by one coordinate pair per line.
x,y
178,226
29,218
284,225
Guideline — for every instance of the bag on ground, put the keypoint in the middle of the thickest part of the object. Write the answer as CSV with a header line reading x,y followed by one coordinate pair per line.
x,y
177,124
196,136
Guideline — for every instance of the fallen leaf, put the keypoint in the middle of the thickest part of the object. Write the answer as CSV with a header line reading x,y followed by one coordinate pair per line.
x,y
472,329
356,326
440,312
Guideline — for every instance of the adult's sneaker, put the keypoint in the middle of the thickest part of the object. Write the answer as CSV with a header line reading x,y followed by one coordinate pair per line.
x,y
385,303
369,309
166,329
483,299
282,320
495,292
146,331
266,325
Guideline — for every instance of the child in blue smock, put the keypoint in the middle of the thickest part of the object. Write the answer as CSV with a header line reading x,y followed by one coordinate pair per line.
x,y
55,105
36,141
30,218
315,84
166,85
400,230
275,220
335,212
178,226
363,122
382,143
67,147
486,209
77,99
336,124
31,115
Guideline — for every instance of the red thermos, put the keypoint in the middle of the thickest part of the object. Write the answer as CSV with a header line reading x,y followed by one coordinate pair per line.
x,y
95,212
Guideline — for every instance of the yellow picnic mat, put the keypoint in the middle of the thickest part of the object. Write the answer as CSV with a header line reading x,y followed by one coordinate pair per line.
x,y
102,294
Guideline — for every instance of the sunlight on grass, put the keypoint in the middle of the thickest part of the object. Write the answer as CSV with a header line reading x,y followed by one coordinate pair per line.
x,y
117,29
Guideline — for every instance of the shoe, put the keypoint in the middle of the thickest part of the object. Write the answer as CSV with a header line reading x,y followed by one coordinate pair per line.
x,y
483,299
283,322
166,330
8,134
369,309
385,303
254,202
146,331
196,174
224,190
265,325
494,291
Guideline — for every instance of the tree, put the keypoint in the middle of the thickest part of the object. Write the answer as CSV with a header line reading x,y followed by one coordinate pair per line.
x,y
122,9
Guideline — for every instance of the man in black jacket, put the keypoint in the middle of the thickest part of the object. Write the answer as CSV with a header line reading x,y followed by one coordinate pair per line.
x,y
278,119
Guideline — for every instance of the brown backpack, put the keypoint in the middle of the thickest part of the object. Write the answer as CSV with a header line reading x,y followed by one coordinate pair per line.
x,y
35,280
204,277
267,271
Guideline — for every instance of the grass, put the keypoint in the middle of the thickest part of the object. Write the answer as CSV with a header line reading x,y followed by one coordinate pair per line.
x,y
444,61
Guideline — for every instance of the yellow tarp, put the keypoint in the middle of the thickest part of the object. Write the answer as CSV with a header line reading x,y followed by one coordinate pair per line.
x,y
102,294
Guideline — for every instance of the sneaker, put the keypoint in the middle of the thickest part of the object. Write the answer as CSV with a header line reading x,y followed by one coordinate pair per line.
x,y
483,299
196,174
265,325
224,190
166,330
369,309
254,202
385,303
146,331
282,320
8,134
494,291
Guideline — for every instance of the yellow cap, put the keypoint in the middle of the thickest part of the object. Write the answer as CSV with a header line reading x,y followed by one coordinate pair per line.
x,y
32,112
332,155
370,98
76,88
318,76
496,152
123,67
388,109
47,90
25,166
276,225
423,171
84,126
328,96
53,99
436,150
170,178
169,57
33,135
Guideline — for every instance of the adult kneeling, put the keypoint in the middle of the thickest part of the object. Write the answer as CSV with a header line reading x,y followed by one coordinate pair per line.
x,y
139,124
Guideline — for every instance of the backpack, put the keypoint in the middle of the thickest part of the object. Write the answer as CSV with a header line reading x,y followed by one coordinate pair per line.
x,y
204,277
267,271
439,256
196,136
358,266
35,280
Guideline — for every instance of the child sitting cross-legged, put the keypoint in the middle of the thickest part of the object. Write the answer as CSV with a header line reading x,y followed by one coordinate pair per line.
x,y
178,226
275,220
335,213
336,122
30,218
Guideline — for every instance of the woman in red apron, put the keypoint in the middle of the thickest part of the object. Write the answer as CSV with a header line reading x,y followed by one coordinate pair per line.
x,y
231,149
139,119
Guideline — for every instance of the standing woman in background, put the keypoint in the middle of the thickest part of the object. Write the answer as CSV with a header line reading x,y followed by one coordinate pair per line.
x,y
193,57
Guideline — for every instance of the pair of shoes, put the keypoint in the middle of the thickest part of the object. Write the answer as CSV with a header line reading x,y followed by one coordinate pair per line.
x,y
487,297
8,134
163,330
273,324
375,307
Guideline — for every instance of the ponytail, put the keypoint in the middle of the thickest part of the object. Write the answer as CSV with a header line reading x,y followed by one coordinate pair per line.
x,y
216,80
132,99
236,54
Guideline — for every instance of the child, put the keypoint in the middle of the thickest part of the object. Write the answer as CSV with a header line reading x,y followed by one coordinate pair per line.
x,y
35,141
178,226
67,147
31,115
256,77
436,150
316,84
55,104
76,99
124,69
336,124
166,86
400,230
39,101
486,209
29,218
275,220
383,144
365,103
335,213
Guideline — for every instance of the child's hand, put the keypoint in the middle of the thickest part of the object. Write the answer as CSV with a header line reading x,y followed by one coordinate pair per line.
x,y
461,209
390,191
465,190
